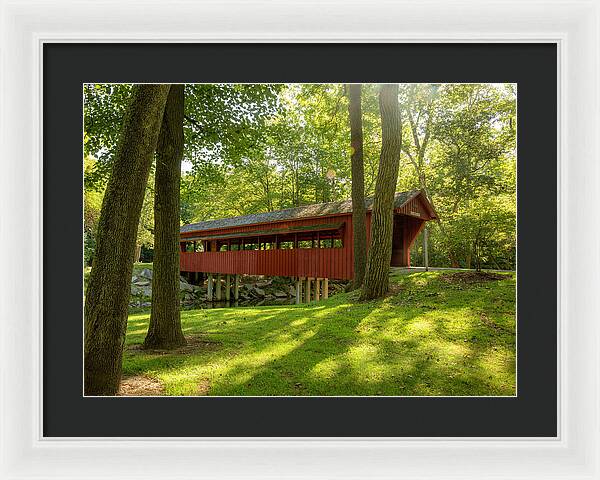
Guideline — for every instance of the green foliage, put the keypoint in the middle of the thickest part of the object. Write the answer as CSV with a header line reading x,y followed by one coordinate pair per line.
x,y
225,122
92,204
145,233
256,148
103,109
480,235
460,147
433,336
302,158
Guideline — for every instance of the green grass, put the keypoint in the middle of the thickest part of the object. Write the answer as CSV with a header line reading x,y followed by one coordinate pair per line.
x,y
430,337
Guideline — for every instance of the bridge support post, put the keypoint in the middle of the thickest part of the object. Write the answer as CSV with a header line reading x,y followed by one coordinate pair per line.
x,y
227,287
236,287
209,292
299,281
308,280
218,292
317,289
325,288
426,248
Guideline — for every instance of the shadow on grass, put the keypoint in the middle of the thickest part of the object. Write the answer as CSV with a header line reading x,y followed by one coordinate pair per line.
x,y
427,339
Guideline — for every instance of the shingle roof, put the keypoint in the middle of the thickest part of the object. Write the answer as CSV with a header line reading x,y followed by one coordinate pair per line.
x,y
306,211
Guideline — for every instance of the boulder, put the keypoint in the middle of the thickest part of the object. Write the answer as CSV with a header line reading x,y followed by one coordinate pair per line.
x,y
186,287
145,291
259,292
142,282
146,273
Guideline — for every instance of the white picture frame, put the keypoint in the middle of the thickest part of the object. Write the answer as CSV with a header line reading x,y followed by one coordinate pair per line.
x,y
574,26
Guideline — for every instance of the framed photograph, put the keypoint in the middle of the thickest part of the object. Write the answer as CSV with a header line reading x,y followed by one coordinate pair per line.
x,y
294,240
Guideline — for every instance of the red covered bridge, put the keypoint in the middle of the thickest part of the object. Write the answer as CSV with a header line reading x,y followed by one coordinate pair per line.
x,y
311,242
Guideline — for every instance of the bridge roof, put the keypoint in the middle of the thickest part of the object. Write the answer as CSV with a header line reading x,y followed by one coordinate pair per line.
x,y
296,213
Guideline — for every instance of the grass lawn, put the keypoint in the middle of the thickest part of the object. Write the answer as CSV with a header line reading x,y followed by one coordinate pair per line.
x,y
436,334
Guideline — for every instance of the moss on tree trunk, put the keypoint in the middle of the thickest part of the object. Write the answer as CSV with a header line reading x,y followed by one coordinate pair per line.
x,y
164,330
359,228
107,296
382,221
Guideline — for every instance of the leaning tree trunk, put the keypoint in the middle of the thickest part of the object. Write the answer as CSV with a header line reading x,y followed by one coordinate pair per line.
x,y
358,186
165,323
108,291
380,252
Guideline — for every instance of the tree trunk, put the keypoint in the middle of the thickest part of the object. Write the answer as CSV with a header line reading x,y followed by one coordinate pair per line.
x,y
137,254
382,221
107,296
358,186
164,330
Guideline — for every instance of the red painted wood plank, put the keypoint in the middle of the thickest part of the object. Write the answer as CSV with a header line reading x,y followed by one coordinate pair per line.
x,y
335,263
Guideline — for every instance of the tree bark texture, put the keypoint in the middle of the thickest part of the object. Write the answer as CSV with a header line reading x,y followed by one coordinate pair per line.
x,y
382,221
358,186
164,330
108,291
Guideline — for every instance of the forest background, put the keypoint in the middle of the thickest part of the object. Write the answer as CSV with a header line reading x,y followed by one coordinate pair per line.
x,y
253,148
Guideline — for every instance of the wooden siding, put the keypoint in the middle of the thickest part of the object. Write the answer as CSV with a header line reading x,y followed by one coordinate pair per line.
x,y
411,229
301,262
415,208
334,263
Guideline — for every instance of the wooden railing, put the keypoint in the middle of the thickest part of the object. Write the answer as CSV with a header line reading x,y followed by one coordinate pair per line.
x,y
302,262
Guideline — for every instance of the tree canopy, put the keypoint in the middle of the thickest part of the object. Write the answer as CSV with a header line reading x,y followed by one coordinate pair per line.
x,y
255,148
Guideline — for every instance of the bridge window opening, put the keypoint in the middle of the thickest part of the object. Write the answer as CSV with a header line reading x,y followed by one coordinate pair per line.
x,y
326,243
278,241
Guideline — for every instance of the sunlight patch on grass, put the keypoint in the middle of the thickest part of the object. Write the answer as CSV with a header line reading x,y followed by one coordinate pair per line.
x,y
496,362
361,354
141,331
299,322
421,327
428,338
327,368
